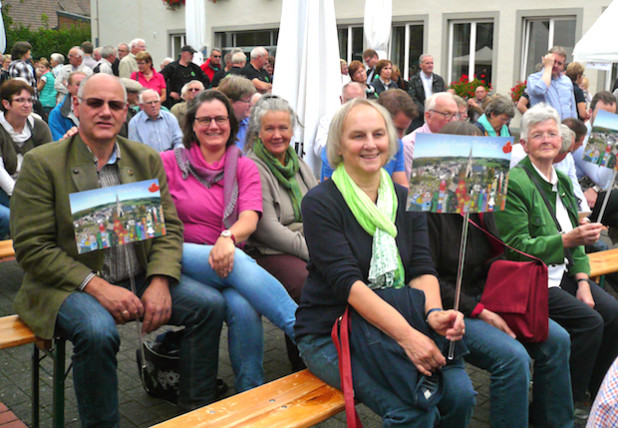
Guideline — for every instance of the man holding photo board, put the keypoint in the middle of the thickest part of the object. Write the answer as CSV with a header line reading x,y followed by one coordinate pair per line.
x,y
81,297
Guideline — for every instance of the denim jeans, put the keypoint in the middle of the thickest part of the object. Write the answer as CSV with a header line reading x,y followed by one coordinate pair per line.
x,y
508,361
92,330
454,410
4,214
249,291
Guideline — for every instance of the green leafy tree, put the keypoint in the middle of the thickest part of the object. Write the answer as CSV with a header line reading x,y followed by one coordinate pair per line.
x,y
44,40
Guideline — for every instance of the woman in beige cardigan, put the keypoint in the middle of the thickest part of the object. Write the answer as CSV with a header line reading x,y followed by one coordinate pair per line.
x,y
279,244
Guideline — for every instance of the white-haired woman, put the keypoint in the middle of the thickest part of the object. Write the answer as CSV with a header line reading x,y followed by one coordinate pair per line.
x,y
541,219
366,252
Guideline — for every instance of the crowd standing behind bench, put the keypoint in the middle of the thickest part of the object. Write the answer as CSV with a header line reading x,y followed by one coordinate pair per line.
x,y
217,199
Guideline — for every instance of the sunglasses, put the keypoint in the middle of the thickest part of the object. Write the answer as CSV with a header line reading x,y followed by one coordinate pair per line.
x,y
98,103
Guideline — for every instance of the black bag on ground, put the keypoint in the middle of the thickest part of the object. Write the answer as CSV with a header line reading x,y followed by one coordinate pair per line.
x,y
160,376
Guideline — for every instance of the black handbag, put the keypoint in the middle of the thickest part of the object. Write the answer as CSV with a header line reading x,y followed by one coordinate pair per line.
x,y
159,374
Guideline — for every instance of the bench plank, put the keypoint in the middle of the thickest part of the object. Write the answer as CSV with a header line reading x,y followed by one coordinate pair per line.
x,y
603,262
6,250
14,332
297,400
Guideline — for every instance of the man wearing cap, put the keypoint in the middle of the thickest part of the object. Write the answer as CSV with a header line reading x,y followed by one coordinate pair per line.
x,y
179,72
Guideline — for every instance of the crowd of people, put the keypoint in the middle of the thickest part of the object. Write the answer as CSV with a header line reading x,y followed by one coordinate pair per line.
x,y
252,232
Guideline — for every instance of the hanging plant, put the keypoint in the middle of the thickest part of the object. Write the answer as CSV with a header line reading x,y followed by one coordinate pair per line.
x,y
173,4
517,91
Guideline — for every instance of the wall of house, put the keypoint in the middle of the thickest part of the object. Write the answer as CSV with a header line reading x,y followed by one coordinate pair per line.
x,y
153,22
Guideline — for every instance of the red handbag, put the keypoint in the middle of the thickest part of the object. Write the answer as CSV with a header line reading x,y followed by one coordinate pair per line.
x,y
517,291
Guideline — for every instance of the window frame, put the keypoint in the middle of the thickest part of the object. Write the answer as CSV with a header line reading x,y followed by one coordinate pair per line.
x,y
406,22
473,21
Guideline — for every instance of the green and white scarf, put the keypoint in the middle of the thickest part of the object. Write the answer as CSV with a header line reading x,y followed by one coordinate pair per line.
x,y
378,220
285,175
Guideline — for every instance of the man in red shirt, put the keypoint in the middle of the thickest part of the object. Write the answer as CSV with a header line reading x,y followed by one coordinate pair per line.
x,y
212,64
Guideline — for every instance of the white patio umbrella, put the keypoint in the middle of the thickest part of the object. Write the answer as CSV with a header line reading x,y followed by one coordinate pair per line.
x,y
2,33
598,44
195,22
307,71
377,25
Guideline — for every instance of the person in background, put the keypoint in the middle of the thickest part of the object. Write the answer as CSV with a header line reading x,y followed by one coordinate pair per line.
x,y
20,132
123,50
462,107
498,113
21,66
575,72
359,75
423,85
75,64
45,86
179,72
239,91
88,49
383,82
398,79
62,117
368,254
56,61
128,63
477,105
345,77
108,58
153,126
188,92
212,64
147,76
371,58
236,63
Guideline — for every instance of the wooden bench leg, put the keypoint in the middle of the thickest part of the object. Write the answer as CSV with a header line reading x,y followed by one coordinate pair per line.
x,y
59,377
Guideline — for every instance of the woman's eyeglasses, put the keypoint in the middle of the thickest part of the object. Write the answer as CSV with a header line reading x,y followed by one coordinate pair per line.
x,y
206,120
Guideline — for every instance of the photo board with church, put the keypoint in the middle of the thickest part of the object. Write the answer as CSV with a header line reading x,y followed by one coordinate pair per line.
x,y
117,215
459,174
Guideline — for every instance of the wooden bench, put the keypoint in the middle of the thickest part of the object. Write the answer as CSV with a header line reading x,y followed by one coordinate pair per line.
x,y
602,263
13,332
296,400
7,253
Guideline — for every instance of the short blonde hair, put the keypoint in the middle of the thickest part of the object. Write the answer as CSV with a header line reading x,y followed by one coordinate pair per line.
x,y
335,132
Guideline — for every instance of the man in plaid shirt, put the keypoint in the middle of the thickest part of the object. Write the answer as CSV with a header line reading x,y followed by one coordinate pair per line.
x,y
21,53
604,411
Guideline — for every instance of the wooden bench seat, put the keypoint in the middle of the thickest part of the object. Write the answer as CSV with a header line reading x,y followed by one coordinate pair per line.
x,y
296,400
13,332
7,252
602,263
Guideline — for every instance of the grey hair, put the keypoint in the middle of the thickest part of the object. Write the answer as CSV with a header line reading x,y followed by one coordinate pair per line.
x,y
266,104
107,51
423,56
140,99
58,57
258,52
567,138
335,132
215,49
78,51
80,91
535,115
558,50
239,57
500,105
430,102
134,42
185,87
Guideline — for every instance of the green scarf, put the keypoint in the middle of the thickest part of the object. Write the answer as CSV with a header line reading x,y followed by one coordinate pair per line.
x,y
491,132
378,220
285,175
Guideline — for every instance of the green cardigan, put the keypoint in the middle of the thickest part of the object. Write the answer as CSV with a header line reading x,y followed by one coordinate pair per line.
x,y
42,225
527,225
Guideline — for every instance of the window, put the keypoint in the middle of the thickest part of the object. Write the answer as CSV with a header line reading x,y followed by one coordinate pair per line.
x,y
177,41
247,40
407,47
351,43
470,50
540,35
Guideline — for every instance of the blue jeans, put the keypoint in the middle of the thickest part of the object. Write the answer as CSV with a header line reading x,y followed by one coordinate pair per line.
x,y
249,291
4,214
454,410
92,330
508,361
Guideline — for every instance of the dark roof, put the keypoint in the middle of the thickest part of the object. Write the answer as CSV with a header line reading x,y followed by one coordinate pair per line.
x,y
29,12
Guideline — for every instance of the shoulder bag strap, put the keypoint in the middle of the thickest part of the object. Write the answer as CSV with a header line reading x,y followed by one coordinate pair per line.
x,y
341,338
567,251
502,243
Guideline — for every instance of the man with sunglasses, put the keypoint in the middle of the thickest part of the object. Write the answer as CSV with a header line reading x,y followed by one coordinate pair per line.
x,y
81,297
440,109
212,64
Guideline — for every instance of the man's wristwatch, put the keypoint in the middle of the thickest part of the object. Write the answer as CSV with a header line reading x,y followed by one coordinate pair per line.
x,y
227,233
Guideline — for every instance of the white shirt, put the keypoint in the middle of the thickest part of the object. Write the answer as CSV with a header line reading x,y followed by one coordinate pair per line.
x,y
555,272
427,84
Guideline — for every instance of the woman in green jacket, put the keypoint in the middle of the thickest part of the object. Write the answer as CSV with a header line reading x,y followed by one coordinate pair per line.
x,y
541,219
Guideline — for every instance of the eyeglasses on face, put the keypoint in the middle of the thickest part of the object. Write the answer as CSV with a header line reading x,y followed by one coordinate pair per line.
x,y
447,116
98,103
22,100
206,120
193,90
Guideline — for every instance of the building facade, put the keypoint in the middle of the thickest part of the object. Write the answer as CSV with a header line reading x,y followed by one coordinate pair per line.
x,y
502,41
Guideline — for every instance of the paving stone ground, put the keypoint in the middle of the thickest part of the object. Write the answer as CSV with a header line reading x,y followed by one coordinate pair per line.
x,y
138,409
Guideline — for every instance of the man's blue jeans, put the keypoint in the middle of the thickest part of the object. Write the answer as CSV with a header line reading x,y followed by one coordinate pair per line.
x,y
92,330
508,361
249,291
454,410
